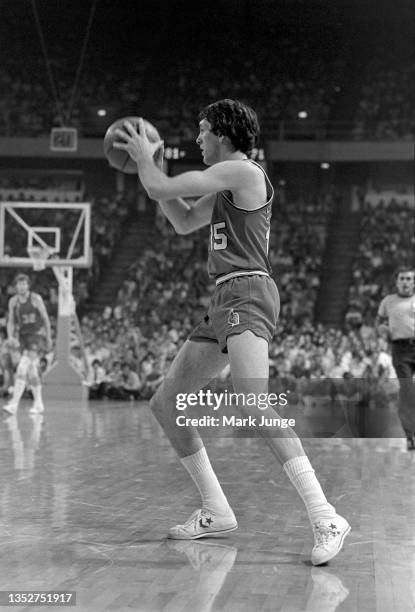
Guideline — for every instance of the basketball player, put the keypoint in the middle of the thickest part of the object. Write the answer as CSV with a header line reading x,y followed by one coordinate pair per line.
x,y
396,317
236,197
28,325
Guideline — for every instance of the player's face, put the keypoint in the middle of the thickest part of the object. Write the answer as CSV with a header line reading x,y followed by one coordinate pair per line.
x,y
22,287
209,143
405,283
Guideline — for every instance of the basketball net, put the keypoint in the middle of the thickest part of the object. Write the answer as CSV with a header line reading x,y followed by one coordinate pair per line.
x,y
38,256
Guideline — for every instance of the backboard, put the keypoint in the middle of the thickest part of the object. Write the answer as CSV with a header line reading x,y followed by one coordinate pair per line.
x,y
63,229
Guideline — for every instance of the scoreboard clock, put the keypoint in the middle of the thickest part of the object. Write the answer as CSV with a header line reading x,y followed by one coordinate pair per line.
x,y
64,139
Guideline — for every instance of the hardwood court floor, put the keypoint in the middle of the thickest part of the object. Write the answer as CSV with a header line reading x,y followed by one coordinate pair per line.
x,y
86,495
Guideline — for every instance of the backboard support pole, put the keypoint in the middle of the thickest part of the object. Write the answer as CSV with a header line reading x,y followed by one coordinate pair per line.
x,y
63,381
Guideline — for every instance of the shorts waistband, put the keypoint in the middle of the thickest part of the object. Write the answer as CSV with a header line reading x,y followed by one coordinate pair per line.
x,y
226,277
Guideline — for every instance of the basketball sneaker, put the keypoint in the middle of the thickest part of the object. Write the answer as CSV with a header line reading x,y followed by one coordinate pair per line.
x,y
204,523
37,408
329,535
11,408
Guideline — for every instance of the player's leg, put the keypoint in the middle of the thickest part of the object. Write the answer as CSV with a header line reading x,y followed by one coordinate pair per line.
x,y
404,369
194,366
248,355
35,383
19,384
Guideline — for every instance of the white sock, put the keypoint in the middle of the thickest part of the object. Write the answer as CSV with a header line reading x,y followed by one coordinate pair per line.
x,y
37,393
202,474
301,474
18,390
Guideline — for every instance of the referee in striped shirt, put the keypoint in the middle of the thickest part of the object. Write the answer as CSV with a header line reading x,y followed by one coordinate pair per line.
x,y
396,315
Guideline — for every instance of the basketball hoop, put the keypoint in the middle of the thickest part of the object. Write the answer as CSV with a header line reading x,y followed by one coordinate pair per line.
x,y
38,256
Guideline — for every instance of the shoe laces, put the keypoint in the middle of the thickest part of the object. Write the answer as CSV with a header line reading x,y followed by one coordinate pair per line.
x,y
194,518
323,532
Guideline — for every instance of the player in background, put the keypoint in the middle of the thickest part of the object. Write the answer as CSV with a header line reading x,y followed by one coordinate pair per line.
x,y
396,319
235,198
28,326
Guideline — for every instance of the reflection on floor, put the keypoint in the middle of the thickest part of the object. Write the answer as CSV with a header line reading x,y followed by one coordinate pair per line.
x,y
86,495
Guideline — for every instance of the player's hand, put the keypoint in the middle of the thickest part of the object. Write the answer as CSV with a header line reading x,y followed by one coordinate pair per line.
x,y
136,143
13,344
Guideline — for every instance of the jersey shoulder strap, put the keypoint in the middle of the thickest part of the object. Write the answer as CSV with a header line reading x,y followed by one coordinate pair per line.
x,y
270,186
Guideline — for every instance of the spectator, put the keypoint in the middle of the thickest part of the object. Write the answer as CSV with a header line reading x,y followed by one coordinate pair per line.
x,y
97,380
131,383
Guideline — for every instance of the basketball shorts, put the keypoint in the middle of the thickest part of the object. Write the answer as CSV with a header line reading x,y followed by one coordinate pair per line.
x,y
240,304
32,342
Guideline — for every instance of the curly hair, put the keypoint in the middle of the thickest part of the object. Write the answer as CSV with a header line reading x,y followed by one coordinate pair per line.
x,y
235,120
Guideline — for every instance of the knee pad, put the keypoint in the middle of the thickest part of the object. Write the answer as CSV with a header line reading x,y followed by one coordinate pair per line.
x,y
23,367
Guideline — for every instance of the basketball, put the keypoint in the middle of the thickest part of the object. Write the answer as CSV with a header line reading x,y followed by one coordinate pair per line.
x,y
120,160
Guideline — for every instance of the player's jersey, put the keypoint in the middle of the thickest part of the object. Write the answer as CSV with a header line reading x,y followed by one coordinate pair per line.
x,y
239,238
400,312
26,315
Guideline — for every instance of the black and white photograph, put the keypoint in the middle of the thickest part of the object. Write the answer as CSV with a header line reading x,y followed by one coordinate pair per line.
x,y
207,305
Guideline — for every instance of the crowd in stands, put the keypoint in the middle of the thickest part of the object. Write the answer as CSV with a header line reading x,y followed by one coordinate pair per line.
x,y
28,186
298,81
386,109
387,241
296,247
295,73
28,108
130,345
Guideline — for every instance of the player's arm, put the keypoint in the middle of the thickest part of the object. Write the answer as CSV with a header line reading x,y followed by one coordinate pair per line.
x,y
188,217
226,175
185,217
382,320
40,305
381,325
11,323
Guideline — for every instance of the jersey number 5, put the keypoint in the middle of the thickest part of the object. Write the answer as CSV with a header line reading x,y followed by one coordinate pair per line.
x,y
218,240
